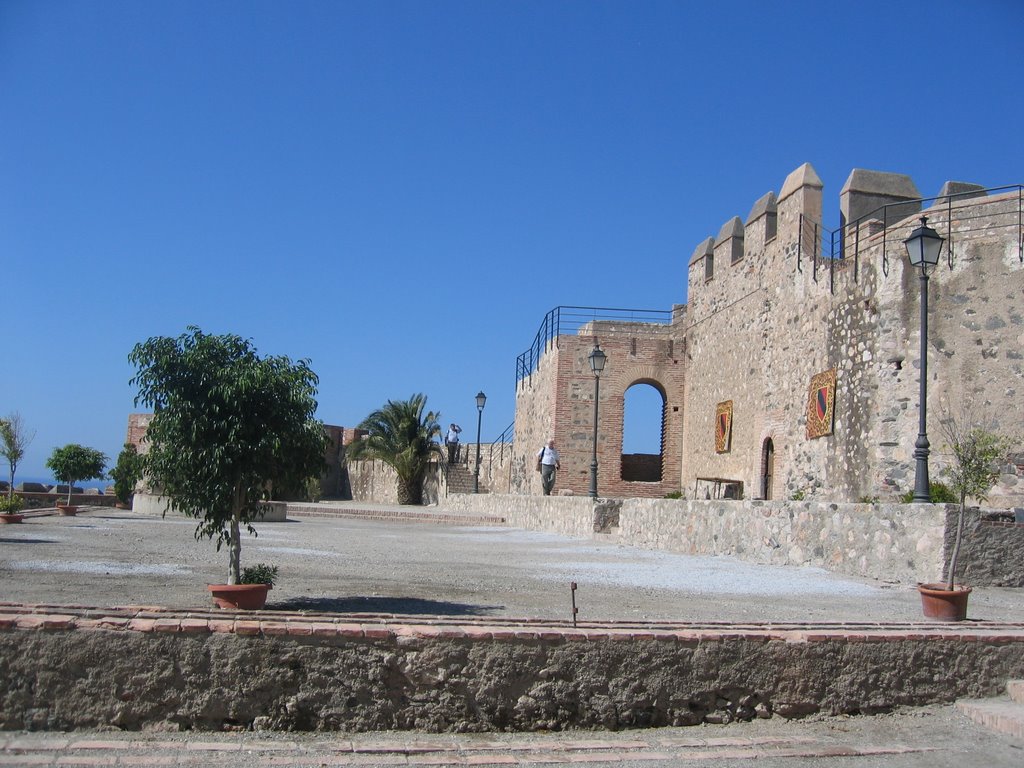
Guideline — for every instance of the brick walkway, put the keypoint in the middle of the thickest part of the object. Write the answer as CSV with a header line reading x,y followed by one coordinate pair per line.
x,y
254,749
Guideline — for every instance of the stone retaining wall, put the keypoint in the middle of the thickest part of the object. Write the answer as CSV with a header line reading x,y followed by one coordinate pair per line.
x,y
565,515
146,504
35,500
905,543
88,668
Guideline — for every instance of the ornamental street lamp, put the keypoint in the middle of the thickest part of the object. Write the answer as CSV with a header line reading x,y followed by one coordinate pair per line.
x,y
481,399
923,248
597,360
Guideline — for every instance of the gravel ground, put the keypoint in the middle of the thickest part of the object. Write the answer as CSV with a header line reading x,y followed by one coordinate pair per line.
x,y
107,557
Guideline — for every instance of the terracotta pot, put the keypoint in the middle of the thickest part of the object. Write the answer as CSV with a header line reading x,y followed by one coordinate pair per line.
x,y
12,518
246,597
939,602
70,510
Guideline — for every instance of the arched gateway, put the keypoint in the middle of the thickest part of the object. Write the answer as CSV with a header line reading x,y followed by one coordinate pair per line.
x,y
555,398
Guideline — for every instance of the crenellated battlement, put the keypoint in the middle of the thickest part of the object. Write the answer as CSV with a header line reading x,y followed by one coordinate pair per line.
x,y
780,306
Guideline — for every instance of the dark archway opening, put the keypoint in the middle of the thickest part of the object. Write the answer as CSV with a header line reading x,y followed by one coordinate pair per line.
x,y
767,467
643,433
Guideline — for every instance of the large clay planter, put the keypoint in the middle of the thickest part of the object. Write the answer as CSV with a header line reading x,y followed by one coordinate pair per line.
x,y
939,602
246,597
69,510
12,518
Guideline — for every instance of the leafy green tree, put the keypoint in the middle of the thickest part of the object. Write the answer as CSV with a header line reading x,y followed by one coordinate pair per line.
x,y
227,424
14,441
126,472
977,454
401,435
75,462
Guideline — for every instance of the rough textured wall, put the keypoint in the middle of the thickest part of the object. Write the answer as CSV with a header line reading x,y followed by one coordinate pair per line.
x,y
888,542
535,420
975,339
374,481
757,333
565,515
992,552
764,323
298,672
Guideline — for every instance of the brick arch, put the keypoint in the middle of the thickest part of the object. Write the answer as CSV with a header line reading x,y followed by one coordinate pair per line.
x,y
617,475
562,400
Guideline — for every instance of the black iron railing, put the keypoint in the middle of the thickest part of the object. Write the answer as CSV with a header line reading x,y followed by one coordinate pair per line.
x,y
564,320
505,437
823,249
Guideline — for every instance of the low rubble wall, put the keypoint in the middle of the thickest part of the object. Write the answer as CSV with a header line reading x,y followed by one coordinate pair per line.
x,y
89,668
905,543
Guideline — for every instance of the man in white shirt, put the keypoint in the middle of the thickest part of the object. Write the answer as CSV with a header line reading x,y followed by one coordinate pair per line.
x,y
547,457
452,441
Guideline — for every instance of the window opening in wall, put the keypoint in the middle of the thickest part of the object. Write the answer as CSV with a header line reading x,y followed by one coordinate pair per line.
x,y
643,433
767,467
709,266
632,346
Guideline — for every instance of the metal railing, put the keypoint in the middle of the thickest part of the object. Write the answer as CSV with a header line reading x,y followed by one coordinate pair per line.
x,y
563,320
840,248
507,436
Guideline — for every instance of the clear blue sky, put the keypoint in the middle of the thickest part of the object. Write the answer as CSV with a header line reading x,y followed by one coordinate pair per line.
x,y
400,191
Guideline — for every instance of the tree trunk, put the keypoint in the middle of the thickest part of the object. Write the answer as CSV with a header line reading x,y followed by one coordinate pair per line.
x,y
956,541
234,550
235,545
71,484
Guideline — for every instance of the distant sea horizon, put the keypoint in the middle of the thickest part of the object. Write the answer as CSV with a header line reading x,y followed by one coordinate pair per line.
x,y
20,478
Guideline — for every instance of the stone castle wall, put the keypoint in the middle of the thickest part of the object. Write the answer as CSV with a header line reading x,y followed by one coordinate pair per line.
x,y
773,311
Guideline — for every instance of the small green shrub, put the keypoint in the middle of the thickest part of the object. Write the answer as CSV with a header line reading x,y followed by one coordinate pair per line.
x,y
261,573
798,495
868,500
11,505
674,495
940,493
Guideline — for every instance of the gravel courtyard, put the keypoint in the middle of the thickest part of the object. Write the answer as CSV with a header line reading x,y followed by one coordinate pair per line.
x,y
106,557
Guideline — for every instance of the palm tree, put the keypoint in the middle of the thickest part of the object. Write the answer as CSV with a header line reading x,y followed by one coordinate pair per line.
x,y
401,435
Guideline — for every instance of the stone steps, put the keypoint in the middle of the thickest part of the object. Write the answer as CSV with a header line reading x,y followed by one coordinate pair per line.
x,y
460,479
1003,714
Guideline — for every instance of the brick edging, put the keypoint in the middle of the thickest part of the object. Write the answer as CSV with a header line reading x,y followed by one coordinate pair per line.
x,y
16,616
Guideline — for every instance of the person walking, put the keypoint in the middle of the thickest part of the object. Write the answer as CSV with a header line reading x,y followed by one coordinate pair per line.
x,y
452,441
547,462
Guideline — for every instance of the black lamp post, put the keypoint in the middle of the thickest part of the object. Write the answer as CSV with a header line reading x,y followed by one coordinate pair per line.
x,y
481,398
923,247
597,361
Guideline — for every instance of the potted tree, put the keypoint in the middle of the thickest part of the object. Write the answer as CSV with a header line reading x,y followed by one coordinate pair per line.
x,y
14,441
227,424
251,591
72,463
976,455
126,474
401,435
10,506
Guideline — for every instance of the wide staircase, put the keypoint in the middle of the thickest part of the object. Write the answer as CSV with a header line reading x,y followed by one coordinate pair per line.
x,y
1004,714
460,479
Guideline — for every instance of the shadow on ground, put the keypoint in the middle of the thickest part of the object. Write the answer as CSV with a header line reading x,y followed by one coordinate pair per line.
x,y
5,540
403,605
